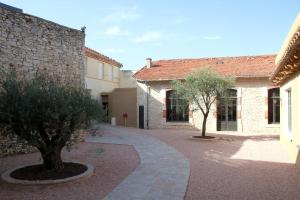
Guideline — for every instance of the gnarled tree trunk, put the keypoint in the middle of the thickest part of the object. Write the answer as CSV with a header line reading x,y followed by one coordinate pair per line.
x,y
52,160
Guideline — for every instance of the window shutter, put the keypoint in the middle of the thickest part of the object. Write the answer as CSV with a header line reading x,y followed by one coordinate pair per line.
x,y
100,71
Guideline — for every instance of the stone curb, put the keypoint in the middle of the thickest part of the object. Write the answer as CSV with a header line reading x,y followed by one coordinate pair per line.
x,y
204,139
89,172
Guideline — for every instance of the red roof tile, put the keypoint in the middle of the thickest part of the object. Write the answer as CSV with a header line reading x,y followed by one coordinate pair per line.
x,y
243,66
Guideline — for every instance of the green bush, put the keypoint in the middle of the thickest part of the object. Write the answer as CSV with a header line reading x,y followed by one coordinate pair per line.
x,y
44,112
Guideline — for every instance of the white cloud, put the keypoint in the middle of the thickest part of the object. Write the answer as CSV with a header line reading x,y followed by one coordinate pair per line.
x,y
113,50
213,37
150,36
122,14
115,31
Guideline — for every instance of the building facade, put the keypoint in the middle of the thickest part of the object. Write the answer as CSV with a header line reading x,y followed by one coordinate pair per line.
x,y
287,76
102,73
108,84
254,105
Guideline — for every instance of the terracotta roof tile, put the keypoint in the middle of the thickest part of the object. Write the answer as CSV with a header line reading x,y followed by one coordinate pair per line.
x,y
243,66
98,56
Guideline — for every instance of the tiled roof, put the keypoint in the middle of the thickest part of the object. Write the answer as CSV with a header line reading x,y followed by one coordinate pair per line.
x,y
98,56
243,66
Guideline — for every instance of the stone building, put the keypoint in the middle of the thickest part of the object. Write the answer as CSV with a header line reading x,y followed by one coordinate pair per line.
x,y
255,101
30,44
287,76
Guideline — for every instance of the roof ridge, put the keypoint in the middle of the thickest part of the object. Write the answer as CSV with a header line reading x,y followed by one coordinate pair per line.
x,y
217,58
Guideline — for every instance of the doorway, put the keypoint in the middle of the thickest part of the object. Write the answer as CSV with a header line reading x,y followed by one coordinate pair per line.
x,y
227,112
105,107
141,117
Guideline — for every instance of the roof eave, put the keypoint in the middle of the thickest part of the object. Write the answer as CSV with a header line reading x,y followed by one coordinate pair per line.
x,y
290,42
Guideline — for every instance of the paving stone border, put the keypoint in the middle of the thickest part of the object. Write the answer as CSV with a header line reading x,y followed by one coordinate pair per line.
x,y
163,172
89,172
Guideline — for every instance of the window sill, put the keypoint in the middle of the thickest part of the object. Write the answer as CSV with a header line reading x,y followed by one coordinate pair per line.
x,y
273,125
177,123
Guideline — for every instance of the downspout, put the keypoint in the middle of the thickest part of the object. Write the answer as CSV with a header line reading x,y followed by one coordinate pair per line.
x,y
147,115
241,101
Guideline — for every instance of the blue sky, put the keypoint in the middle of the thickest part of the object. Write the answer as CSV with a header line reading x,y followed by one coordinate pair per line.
x,y
130,31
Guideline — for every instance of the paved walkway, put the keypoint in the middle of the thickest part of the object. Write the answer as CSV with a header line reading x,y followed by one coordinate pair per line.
x,y
235,167
163,172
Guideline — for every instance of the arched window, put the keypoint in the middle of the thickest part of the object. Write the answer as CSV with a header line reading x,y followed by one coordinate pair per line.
x,y
177,108
273,106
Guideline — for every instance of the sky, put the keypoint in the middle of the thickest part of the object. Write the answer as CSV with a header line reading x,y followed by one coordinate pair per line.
x,y
130,31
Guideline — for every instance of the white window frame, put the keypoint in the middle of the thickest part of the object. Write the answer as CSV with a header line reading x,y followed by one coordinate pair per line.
x,y
287,131
100,71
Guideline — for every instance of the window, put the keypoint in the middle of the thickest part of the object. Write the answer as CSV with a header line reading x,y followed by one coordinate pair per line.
x,y
101,71
110,73
177,108
273,106
289,110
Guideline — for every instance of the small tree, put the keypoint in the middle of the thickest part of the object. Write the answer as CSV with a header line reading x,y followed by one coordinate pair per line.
x,y
201,88
44,112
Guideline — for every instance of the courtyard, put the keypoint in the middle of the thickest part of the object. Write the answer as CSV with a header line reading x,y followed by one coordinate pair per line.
x,y
132,163
211,113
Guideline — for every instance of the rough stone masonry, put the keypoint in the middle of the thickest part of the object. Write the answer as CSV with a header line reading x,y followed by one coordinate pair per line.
x,y
30,44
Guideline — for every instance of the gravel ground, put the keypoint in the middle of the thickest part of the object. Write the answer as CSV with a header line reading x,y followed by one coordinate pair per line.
x,y
113,163
235,167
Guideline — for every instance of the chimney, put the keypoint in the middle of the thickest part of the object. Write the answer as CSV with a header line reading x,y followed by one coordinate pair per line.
x,y
148,62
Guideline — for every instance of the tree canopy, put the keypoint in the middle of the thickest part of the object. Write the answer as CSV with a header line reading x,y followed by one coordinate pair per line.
x,y
201,88
44,112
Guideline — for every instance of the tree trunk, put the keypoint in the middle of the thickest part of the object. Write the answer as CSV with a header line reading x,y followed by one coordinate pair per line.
x,y
52,160
204,124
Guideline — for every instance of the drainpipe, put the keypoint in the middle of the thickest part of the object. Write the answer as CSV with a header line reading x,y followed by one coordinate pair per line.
x,y
241,102
147,117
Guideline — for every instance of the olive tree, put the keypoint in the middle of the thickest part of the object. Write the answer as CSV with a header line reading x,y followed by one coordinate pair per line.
x,y
201,88
44,112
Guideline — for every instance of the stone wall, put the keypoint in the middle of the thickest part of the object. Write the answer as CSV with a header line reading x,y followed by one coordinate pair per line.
x,y
30,44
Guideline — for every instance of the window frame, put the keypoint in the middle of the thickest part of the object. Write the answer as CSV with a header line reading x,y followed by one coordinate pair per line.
x,y
274,106
177,104
289,110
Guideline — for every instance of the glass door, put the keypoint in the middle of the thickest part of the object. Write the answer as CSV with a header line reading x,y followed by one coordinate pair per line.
x,y
227,112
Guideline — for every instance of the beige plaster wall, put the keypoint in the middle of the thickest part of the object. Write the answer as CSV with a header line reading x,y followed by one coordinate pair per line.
x,y
97,85
291,141
126,79
124,100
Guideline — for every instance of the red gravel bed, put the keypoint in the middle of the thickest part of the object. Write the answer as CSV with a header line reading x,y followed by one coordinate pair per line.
x,y
38,172
113,163
233,167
